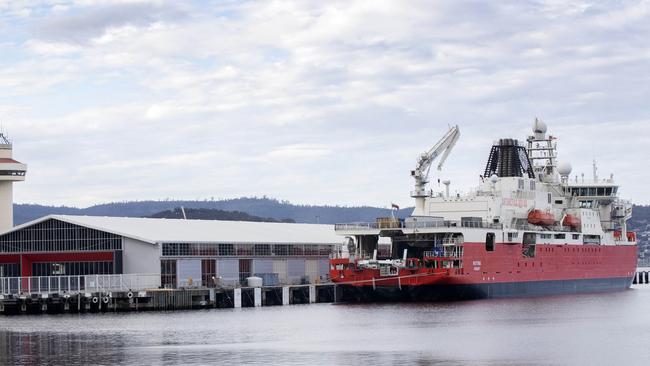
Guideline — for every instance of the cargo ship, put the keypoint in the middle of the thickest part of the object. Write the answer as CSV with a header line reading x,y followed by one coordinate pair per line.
x,y
529,229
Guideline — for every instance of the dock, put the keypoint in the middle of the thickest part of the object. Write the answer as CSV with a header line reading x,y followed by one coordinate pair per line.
x,y
122,293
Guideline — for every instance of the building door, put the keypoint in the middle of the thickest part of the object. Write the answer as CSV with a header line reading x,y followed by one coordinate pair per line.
x,y
244,270
209,272
168,273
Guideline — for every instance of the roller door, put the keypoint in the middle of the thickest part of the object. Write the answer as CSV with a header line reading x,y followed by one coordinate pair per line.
x,y
188,272
280,267
262,266
324,269
311,270
228,270
295,270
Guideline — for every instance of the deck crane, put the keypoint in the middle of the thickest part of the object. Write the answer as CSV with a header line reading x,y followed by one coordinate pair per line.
x,y
421,172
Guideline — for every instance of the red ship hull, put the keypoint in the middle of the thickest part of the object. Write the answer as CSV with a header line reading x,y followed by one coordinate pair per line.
x,y
504,272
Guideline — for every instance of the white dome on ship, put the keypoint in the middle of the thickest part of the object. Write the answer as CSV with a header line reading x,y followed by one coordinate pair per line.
x,y
539,126
564,169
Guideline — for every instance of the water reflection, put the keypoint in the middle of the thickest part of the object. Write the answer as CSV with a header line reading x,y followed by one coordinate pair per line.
x,y
587,329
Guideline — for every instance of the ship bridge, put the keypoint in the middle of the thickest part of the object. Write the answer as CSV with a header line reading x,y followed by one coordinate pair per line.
x,y
600,190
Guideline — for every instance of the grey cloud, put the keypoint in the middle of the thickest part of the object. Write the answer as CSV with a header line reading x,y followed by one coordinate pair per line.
x,y
79,26
373,84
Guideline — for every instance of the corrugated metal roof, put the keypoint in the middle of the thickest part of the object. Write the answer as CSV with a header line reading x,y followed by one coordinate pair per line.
x,y
176,230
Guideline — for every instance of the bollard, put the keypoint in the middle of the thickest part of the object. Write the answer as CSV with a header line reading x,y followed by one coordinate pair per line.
x,y
285,295
257,297
237,298
312,294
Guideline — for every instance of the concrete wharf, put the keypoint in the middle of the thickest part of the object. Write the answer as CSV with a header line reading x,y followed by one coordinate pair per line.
x,y
142,292
102,293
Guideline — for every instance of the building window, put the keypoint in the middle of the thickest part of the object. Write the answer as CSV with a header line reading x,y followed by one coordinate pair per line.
x,y
72,268
226,249
261,249
58,236
244,250
9,270
281,249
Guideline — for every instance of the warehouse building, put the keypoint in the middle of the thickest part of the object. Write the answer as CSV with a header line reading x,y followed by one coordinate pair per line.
x,y
182,252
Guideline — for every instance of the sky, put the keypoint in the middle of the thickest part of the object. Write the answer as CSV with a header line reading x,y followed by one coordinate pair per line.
x,y
314,102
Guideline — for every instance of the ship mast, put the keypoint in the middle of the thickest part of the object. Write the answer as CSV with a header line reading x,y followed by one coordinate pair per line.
x,y
426,159
542,152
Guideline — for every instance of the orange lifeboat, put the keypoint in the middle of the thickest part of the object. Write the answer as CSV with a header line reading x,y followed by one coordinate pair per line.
x,y
571,221
541,218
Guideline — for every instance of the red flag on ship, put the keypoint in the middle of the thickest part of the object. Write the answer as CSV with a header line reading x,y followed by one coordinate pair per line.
x,y
392,205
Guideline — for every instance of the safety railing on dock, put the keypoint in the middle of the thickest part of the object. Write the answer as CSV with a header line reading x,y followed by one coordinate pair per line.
x,y
88,283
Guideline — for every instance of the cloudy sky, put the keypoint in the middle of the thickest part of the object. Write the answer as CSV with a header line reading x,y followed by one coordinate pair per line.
x,y
312,101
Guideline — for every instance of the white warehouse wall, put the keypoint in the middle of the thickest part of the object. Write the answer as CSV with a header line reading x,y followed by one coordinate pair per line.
x,y
140,257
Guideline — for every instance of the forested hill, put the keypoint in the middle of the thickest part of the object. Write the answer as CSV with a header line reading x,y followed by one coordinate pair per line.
x,y
261,207
213,214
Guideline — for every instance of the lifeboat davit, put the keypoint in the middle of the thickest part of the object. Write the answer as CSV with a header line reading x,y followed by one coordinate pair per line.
x,y
571,221
541,218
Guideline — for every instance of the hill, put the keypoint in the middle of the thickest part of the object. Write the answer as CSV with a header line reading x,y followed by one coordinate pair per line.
x,y
213,214
261,207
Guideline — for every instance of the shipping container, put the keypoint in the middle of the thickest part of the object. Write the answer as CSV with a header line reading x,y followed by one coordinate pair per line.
x,y
268,279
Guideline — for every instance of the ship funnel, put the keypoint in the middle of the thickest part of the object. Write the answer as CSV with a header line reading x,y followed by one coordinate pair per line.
x,y
508,159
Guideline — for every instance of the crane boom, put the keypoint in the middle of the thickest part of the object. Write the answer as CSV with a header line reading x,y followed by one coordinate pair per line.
x,y
421,172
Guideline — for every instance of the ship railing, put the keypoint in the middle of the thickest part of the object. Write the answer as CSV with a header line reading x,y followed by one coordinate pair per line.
x,y
559,228
454,252
76,284
423,224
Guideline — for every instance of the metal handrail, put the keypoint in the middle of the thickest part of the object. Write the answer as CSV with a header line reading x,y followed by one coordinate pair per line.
x,y
75,284
418,225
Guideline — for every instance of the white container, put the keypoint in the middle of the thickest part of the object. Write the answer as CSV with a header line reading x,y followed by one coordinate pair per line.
x,y
254,281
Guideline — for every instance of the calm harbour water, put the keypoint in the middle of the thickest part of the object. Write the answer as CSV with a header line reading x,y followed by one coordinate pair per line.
x,y
598,329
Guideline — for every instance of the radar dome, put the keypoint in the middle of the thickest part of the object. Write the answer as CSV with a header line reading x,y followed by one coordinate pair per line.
x,y
494,178
539,126
564,169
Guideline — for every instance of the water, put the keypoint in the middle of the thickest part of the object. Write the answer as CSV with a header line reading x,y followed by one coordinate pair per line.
x,y
600,329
